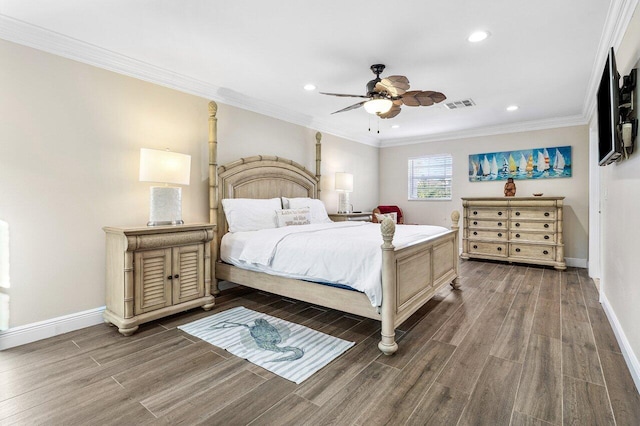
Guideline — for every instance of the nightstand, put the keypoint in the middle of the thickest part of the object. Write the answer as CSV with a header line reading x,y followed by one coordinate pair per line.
x,y
155,271
345,217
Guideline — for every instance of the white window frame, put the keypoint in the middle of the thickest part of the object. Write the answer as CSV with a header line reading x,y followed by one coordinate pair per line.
x,y
438,167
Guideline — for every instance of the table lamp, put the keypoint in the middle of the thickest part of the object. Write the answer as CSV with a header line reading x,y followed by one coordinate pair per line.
x,y
165,202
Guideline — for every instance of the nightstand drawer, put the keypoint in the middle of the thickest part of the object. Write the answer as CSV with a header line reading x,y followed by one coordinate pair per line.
x,y
491,249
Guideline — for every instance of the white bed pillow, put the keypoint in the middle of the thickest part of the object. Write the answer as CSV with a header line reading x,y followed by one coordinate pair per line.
x,y
318,212
393,216
247,214
290,217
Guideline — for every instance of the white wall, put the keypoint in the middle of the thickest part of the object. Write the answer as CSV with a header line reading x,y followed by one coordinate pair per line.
x,y
70,137
393,180
620,227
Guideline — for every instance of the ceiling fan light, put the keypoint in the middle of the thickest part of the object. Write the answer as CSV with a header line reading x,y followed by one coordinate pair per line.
x,y
378,106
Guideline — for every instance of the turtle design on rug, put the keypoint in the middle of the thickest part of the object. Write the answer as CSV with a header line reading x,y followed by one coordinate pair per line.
x,y
266,337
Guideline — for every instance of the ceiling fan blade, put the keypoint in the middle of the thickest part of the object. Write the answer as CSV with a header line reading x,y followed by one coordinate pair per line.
x,y
342,95
422,98
395,110
349,108
395,85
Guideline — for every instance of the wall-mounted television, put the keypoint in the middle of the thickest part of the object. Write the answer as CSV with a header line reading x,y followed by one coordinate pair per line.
x,y
610,146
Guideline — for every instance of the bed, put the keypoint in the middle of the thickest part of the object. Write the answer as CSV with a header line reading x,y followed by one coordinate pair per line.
x,y
411,273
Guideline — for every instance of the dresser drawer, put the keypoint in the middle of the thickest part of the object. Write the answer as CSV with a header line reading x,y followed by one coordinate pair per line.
x,y
484,234
487,213
491,249
532,251
523,225
492,223
524,213
548,237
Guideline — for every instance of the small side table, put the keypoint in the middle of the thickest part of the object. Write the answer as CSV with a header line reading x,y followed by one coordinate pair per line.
x,y
346,217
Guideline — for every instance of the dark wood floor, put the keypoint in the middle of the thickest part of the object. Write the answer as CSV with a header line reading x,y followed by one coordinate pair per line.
x,y
515,345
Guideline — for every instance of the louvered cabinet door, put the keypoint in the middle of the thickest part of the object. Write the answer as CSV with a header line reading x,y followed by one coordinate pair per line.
x,y
152,282
188,280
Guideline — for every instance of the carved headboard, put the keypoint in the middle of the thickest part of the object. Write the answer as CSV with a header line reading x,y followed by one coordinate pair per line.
x,y
254,177
263,177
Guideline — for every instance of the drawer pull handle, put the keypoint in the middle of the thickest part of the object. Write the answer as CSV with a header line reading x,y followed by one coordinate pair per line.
x,y
517,235
499,234
169,277
475,222
546,214
475,233
475,212
499,213
499,248
499,223
517,224
545,252
176,276
518,250
517,213
475,246
546,225
546,237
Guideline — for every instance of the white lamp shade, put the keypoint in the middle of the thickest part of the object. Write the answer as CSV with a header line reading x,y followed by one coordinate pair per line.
x,y
375,106
164,167
344,182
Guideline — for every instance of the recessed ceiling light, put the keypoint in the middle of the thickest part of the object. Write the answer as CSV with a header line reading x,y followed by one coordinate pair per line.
x,y
395,126
478,36
512,107
309,87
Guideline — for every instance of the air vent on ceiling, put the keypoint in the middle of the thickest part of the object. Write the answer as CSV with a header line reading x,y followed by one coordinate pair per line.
x,y
465,103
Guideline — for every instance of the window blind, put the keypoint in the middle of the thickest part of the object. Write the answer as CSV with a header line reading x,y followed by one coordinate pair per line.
x,y
430,177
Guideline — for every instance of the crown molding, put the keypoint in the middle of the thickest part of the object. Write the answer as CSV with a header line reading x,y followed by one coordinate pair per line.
x,y
551,123
26,34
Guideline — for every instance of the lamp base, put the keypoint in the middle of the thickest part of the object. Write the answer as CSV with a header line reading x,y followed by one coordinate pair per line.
x,y
344,206
165,206
162,223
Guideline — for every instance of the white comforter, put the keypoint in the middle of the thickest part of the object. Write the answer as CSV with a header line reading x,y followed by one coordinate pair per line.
x,y
346,253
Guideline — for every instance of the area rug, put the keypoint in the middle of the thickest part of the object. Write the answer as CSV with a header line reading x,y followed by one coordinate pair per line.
x,y
289,350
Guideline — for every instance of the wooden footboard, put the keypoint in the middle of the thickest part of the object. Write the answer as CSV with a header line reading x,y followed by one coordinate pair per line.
x,y
413,274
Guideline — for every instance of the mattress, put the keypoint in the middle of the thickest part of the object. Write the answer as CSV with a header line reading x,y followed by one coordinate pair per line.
x,y
342,253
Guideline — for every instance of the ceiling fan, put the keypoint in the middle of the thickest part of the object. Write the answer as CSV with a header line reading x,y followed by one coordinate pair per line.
x,y
385,96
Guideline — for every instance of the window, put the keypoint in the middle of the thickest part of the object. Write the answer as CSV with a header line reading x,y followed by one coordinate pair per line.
x,y
430,177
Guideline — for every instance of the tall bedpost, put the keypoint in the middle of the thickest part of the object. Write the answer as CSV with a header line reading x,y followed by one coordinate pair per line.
x,y
318,161
455,219
213,191
387,344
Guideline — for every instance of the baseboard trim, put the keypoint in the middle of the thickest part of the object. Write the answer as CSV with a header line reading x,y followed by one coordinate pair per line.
x,y
627,352
575,262
41,330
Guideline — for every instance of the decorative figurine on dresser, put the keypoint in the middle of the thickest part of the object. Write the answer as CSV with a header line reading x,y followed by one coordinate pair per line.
x,y
156,271
522,229
510,188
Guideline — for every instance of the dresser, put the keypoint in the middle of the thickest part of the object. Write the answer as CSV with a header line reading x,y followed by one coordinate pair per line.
x,y
344,217
152,272
514,229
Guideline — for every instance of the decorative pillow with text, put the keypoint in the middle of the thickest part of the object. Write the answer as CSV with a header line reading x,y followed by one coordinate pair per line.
x,y
289,217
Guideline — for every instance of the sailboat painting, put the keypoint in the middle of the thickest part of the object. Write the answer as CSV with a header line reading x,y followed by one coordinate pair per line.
x,y
537,163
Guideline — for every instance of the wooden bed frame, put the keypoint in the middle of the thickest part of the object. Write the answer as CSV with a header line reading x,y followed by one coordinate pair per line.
x,y
411,274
